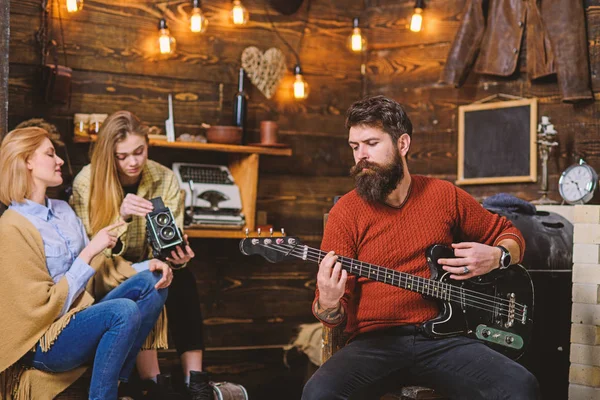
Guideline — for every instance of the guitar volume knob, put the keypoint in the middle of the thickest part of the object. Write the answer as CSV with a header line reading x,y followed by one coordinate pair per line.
x,y
510,339
486,333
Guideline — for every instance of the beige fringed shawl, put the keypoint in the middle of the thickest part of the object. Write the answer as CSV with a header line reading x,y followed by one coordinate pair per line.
x,y
30,302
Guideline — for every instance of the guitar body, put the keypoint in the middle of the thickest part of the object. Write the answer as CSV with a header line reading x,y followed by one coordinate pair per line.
x,y
493,328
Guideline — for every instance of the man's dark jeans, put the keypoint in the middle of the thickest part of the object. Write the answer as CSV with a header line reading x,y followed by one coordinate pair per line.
x,y
458,367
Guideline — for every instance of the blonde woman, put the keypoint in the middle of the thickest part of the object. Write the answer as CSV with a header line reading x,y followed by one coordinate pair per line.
x,y
118,185
49,329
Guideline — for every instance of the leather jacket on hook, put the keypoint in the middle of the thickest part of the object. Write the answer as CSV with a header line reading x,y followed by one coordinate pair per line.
x,y
556,43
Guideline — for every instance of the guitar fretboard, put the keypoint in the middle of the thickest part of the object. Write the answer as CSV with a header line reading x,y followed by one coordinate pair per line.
x,y
425,286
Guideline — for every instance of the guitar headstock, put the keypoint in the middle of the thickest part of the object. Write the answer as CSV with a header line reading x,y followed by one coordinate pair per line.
x,y
273,249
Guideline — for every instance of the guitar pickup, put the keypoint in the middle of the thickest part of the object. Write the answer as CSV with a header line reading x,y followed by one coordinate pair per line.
x,y
499,337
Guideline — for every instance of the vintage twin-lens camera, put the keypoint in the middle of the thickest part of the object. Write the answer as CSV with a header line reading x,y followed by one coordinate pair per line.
x,y
162,232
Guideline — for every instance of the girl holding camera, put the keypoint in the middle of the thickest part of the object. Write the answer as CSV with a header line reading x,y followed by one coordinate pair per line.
x,y
116,186
50,328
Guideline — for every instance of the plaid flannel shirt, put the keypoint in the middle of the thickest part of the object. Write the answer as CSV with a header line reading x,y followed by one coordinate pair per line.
x,y
157,180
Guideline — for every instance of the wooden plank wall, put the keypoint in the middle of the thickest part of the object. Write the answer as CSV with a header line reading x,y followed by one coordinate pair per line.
x,y
406,66
4,43
247,303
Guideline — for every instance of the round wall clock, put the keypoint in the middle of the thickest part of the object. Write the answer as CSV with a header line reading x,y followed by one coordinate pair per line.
x,y
577,183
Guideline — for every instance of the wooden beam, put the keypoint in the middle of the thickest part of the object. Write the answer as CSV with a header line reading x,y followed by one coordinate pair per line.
x,y
4,35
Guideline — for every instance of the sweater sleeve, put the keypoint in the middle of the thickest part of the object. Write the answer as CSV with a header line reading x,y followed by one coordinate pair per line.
x,y
79,198
338,237
476,224
172,198
79,201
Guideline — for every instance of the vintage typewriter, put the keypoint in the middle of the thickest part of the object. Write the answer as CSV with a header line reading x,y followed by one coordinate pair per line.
x,y
212,197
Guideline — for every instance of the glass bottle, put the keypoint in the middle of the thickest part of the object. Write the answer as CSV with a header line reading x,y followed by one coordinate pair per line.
x,y
240,106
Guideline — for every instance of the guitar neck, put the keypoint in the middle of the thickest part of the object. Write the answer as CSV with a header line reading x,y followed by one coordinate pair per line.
x,y
388,276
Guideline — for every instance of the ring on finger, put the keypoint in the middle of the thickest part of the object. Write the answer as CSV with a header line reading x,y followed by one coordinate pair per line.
x,y
465,270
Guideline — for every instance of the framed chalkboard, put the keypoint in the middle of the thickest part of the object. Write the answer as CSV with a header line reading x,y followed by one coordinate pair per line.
x,y
497,142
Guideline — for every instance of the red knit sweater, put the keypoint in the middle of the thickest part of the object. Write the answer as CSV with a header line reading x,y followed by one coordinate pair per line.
x,y
435,212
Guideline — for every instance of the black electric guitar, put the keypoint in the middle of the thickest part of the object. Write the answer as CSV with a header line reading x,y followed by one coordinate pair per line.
x,y
495,308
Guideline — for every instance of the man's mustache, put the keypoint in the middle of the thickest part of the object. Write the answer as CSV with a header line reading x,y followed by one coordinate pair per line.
x,y
364,164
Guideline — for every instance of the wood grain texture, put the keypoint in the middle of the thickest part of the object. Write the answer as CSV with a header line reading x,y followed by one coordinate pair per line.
x,y
406,66
110,46
245,300
4,46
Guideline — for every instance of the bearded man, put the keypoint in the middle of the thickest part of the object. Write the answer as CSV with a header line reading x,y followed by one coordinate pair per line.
x,y
389,220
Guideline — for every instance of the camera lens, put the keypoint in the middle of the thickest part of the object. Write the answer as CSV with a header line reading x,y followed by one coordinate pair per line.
x,y
163,219
167,233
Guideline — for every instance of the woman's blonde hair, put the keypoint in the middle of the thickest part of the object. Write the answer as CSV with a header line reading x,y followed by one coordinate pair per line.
x,y
17,147
106,193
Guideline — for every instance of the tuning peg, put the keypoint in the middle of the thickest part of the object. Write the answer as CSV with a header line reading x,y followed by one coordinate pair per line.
x,y
282,232
258,231
247,232
271,231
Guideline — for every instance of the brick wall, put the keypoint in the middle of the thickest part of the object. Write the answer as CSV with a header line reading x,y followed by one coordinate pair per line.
x,y
584,373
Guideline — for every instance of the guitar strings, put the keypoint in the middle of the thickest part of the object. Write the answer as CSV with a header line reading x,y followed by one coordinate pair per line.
x,y
494,307
495,299
426,283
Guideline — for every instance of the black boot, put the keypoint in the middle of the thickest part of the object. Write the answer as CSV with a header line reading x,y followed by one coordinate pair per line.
x,y
159,390
199,388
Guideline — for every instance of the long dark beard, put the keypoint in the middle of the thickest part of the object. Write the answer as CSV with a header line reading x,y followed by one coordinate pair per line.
x,y
379,181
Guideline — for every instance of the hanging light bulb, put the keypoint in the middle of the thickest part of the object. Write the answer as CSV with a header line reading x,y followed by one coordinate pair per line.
x,y
416,21
239,14
74,5
356,41
198,21
166,42
300,85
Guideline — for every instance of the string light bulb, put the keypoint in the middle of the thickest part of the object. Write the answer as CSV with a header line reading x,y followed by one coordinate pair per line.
x,y
74,5
166,42
300,85
239,14
356,41
416,21
198,20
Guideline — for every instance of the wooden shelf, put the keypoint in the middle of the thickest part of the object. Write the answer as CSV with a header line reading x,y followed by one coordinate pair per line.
x,y
224,233
242,163
223,148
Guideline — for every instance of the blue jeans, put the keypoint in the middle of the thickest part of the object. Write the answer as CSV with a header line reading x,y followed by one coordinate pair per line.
x,y
460,368
109,334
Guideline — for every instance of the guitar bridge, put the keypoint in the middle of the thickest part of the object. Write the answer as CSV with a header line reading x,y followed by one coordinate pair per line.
x,y
511,311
